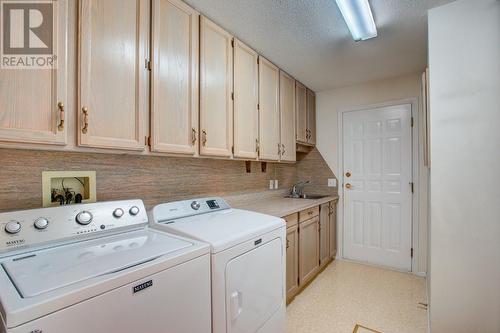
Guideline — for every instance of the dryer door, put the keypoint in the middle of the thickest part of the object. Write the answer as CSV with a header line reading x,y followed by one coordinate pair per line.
x,y
254,287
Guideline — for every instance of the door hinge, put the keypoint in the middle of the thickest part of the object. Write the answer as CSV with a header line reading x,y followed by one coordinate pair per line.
x,y
258,60
411,252
412,186
232,96
147,64
232,42
412,122
148,141
232,150
258,106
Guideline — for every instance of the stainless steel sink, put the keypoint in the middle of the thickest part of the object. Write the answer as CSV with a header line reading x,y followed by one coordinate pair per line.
x,y
308,196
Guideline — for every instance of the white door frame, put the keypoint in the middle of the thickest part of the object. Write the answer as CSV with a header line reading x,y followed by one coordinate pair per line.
x,y
415,175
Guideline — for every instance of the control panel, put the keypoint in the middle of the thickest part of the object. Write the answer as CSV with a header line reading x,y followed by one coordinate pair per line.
x,y
36,227
175,210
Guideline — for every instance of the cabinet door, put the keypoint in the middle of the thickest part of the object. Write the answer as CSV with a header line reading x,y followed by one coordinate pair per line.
x,y
333,229
311,117
113,48
324,234
308,250
301,112
269,113
32,101
246,115
292,262
287,117
174,85
216,88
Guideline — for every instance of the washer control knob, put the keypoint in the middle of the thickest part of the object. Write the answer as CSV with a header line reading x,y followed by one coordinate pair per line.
x,y
134,210
118,213
41,223
84,217
195,205
13,227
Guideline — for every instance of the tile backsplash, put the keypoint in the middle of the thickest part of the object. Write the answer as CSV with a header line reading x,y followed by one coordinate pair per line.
x,y
154,179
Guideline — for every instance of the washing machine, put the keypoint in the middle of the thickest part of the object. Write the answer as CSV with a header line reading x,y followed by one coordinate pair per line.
x,y
247,259
99,268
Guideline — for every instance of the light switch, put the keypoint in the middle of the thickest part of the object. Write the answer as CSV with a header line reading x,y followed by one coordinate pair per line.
x,y
332,182
276,184
271,184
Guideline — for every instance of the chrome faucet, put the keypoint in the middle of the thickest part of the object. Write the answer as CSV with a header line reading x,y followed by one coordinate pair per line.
x,y
296,191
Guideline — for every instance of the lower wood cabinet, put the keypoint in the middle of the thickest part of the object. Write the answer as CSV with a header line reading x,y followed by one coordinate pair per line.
x,y
311,244
292,262
333,229
308,249
324,234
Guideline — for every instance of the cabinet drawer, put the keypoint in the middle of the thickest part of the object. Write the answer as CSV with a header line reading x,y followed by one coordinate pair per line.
x,y
291,219
308,213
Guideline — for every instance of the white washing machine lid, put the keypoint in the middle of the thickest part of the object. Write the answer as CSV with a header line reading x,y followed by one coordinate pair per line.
x,y
222,229
46,270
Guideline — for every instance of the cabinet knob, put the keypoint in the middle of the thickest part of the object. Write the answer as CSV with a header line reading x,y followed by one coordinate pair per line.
x,y
348,186
85,127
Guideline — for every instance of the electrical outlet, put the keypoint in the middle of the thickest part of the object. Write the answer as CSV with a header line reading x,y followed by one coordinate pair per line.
x,y
276,184
332,182
271,184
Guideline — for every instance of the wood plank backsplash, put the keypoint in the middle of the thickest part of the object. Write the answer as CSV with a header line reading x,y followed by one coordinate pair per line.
x,y
155,179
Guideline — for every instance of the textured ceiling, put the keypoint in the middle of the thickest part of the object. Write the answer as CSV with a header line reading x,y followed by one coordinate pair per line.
x,y
310,40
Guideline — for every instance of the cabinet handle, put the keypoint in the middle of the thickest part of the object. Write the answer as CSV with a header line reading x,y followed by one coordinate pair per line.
x,y
257,148
60,106
283,149
204,137
279,149
193,136
287,243
85,127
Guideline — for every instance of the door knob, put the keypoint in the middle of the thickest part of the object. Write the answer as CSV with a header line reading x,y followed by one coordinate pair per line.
x,y
348,174
348,186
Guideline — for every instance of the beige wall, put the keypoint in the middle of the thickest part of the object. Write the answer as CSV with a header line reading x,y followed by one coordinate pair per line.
x,y
464,63
331,103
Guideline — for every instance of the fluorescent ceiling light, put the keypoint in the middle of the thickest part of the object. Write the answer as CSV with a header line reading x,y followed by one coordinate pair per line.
x,y
359,18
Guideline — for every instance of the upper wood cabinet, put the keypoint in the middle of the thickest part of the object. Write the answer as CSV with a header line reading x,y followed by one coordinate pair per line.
x,y
269,113
324,234
287,117
301,112
32,101
216,88
113,42
311,117
246,98
174,83
308,249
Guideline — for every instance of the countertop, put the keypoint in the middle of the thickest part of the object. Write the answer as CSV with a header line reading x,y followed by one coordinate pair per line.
x,y
274,202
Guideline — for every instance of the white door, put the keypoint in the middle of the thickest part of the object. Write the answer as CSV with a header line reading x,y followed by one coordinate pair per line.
x,y
254,287
377,186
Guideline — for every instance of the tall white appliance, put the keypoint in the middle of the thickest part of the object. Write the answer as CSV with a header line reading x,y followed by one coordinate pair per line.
x,y
248,261
98,268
